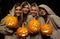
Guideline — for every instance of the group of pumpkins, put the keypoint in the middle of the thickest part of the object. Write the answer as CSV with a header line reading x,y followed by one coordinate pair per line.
x,y
33,27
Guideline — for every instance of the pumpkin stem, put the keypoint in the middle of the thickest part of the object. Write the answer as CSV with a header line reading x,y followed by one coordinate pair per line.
x,y
35,17
47,21
22,24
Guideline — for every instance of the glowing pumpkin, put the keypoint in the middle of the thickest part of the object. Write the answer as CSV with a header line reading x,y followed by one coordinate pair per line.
x,y
46,29
22,32
34,26
11,22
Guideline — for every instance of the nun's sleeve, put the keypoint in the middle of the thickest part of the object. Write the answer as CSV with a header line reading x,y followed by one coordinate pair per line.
x,y
41,20
29,17
3,28
56,19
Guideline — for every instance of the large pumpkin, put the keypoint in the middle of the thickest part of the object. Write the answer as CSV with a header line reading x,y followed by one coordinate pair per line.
x,y
46,29
22,31
34,26
11,22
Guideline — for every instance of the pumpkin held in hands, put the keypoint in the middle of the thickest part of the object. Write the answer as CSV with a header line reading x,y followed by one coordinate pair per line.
x,y
11,22
46,29
34,26
22,32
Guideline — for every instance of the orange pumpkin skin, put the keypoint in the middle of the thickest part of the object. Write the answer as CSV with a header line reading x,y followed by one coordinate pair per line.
x,y
22,32
11,22
34,26
46,29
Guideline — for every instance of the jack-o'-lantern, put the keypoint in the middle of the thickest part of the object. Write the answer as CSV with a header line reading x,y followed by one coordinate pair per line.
x,y
11,22
34,26
22,31
46,29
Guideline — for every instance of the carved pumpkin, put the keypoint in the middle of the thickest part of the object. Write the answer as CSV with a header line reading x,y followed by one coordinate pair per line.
x,y
46,29
34,26
22,31
11,22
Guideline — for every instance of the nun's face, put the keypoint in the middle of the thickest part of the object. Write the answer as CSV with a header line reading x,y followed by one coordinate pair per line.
x,y
18,11
33,11
25,9
42,12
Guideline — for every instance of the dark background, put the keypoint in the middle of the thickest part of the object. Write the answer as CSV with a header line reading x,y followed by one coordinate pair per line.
x,y
6,5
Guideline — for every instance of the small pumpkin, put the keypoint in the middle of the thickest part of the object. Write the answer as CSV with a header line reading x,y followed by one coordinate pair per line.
x,y
34,26
22,31
11,22
46,29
